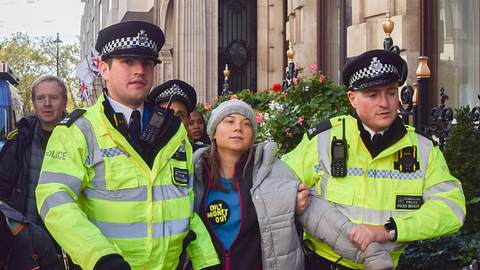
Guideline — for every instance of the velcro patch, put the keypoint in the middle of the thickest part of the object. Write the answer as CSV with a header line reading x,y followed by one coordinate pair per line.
x,y
218,212
180,177
408,202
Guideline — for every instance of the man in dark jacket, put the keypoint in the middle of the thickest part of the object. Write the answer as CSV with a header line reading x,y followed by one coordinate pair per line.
x,y
22,155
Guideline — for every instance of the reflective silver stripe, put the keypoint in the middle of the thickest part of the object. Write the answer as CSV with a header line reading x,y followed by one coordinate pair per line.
x,y
323,147
453,206
168,192
56,199
113,152
366,215
424,148
389,174
120,230
94,153
125,195
441,187
169,227
72,182
140,229
160,193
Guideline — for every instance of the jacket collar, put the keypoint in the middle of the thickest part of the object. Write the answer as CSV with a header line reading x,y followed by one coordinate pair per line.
x,y
393,134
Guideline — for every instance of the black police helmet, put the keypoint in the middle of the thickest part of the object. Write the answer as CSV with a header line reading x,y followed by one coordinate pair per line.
x,y
130,39
374,68
180,90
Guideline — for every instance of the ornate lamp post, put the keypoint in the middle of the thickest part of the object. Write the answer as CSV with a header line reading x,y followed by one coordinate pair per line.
x,y
57,41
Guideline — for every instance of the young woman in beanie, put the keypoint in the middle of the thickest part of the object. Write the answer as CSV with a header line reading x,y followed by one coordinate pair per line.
x,y
245,196
249,201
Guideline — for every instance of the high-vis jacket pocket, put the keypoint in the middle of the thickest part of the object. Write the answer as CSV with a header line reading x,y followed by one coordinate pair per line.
x,y
340,193
120,173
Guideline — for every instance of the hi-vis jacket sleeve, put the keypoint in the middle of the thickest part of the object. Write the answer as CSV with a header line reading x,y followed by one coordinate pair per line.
x,y
62,178
303,160
201,250
443,210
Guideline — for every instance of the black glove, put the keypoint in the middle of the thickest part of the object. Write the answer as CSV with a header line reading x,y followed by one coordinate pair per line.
x,y
110,262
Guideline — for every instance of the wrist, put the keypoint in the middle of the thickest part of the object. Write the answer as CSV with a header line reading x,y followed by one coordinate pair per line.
x,y
391,229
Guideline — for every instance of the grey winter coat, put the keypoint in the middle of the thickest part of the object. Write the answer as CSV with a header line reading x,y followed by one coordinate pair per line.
x,y
273,192
324,221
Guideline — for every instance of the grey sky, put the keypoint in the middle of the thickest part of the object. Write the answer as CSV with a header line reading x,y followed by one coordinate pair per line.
x,y
41,18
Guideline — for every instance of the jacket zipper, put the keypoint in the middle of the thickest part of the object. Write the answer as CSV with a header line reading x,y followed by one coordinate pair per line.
x,y
226,251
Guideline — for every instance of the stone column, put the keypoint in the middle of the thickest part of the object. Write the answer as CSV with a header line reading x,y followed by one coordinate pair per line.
x,y
301,30
366,31
270,43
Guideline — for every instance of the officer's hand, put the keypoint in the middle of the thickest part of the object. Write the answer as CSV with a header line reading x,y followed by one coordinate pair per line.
x,y
362,235
303,199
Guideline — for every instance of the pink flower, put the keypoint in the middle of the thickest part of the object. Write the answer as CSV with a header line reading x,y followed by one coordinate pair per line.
x,y
276,87
233,97
259,118
288,133
313,68
215,100
321,78
295,81
300,120
207,106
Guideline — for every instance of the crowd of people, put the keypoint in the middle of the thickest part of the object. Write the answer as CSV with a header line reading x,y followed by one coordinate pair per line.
x,y
141,181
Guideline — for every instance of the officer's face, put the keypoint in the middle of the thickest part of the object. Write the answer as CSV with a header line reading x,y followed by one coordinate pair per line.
x,y
179,108
196,126
234,134
128,79
376,106
49,103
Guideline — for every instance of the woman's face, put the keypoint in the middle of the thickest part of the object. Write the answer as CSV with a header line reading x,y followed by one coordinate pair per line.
x,y
234,133
196,126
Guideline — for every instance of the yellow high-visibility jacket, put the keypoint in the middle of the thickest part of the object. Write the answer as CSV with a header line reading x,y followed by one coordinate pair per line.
x,y
426,203
97,196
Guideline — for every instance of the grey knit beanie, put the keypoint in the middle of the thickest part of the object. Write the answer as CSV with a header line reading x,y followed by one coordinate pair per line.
x,y
231,107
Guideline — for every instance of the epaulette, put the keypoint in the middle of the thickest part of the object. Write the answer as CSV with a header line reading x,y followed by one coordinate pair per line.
x,y
12,134
69,119
318,128
424,134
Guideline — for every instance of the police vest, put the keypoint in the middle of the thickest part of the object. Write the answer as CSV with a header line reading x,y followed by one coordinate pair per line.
x,y
425,202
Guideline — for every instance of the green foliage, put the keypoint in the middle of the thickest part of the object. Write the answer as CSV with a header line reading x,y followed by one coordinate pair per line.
x,y
32,57
455,251
284,116
449,252
462,150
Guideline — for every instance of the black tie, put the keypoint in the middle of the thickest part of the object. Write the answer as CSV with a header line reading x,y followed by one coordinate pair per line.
x,y
376,139
134,126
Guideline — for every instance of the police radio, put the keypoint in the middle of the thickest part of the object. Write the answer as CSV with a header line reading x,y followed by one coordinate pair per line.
x,y
339,154
153,129
157,124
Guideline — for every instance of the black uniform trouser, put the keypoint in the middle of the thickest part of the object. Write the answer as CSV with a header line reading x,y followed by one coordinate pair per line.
x,y
315,262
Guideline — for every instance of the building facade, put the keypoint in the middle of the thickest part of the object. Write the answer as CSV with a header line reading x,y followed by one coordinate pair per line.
x,y
251,37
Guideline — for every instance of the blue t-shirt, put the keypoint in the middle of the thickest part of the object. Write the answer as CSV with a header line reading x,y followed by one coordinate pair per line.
x,y
223,212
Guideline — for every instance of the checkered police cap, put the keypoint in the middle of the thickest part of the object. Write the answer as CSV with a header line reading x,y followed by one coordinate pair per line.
x,y
130,39
178,90
374,68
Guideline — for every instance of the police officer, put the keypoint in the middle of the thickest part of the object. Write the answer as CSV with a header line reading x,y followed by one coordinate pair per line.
x,y
179,96
115,190
383,175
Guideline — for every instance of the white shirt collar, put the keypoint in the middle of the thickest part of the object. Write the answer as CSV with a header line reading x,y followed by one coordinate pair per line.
x,y
127,111
371,131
